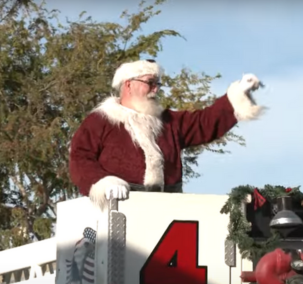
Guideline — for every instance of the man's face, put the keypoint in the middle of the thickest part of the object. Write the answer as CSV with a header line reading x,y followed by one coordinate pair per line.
x,y
144,87
142,94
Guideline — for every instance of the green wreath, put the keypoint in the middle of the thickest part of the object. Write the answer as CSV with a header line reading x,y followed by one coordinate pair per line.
x,y
239,226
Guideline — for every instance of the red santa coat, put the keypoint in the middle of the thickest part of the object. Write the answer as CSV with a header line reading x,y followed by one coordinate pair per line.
x,y
130,147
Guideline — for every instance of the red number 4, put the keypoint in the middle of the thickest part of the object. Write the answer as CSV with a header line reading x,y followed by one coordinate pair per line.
x,y
175,258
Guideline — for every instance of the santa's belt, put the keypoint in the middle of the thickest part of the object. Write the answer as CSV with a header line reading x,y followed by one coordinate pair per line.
x,y
157,188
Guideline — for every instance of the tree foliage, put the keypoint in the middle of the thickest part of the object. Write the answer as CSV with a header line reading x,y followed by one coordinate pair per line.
x,y
51,76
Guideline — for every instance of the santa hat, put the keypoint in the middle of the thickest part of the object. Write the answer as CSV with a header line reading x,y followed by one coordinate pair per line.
x,y
135,69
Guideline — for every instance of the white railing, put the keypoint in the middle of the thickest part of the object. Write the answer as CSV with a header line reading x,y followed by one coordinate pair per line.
x,y
29,263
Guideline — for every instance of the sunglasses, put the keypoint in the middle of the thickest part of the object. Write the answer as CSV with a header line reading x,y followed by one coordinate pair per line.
x,y
151,83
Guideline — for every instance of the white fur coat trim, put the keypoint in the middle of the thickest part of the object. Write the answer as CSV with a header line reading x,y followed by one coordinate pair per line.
x,y
244,106
143,129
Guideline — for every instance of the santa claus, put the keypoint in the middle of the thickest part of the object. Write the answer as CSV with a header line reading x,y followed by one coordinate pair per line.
x,y
128,142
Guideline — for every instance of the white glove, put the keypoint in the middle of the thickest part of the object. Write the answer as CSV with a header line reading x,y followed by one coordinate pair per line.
x,y
240,96
117,192
250,82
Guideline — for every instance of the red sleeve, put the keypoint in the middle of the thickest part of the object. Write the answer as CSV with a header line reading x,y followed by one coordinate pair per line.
x,y
84,168
204,126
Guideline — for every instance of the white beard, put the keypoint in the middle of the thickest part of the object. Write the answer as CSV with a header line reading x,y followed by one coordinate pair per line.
x,y
148,105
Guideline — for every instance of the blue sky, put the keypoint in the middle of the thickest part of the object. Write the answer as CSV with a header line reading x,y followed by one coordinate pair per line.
x,y
232,38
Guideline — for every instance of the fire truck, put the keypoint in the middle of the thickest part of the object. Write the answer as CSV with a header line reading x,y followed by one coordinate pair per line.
x,y
151,238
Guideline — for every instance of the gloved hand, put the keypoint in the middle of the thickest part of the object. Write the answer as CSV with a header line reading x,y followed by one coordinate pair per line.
x,y
240,97
117,192
107,188
250,82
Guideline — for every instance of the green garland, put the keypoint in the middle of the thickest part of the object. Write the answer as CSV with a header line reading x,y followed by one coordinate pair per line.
x,y
239,226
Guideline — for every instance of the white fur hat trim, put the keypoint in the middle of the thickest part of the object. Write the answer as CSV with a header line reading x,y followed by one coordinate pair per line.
x,y
135,69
